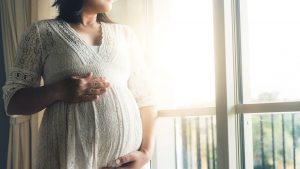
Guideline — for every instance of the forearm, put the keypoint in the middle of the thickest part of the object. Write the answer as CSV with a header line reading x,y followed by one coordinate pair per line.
x,y
31,100
149,119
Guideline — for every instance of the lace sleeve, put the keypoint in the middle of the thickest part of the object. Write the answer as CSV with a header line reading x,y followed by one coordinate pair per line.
x,y
139,81
27,68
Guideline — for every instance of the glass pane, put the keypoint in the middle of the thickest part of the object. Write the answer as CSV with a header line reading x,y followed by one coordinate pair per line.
x,y
275,140
187,142
183,54
271,53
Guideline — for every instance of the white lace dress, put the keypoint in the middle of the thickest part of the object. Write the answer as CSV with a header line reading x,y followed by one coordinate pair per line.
x,y
85,135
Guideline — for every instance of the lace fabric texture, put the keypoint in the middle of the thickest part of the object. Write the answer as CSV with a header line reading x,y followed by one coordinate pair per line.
x,y
139,81
27,68
86,134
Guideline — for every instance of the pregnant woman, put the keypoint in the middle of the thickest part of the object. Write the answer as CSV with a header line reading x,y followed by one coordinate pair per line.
x,y
100,109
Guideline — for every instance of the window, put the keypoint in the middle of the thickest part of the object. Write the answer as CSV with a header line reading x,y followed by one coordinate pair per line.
x,y
179,50
270,50
269,34
183,64
183,53
226,75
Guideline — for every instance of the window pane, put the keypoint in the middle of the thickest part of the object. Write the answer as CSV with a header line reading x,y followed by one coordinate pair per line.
x,y
187,142
275,140
271,53
183,54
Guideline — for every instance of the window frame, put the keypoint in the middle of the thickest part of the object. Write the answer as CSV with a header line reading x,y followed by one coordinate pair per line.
x,y
228,93
233,117
226,66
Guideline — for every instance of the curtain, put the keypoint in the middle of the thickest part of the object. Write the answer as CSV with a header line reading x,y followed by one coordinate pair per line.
x,y
16,16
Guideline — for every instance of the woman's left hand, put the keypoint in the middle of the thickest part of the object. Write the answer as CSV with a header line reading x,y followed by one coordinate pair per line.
x,y
133,160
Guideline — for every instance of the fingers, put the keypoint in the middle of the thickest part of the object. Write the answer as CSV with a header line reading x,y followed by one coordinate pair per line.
x,y
98,84
91,87
89,97
93,91
125,159
126,166
95,82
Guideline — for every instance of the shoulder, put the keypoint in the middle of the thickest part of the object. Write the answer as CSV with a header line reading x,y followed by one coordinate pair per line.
x,y
44,22
41,32
124,29
37,27
40,23
116,25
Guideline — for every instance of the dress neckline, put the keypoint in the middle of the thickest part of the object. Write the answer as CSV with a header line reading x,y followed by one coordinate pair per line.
x,y
76,34
95,47
86,54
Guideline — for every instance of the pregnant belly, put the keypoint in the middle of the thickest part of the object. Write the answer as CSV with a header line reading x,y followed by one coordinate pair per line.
x,y
92,134
115,122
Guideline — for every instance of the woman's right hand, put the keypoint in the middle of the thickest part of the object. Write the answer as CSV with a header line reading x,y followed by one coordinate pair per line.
x,y
81,88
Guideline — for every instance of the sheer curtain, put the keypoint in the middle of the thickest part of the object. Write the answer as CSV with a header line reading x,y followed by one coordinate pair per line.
x,y
16,15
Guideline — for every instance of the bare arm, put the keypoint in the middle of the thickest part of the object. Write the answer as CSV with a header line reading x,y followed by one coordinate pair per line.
x,y
31,100
149,118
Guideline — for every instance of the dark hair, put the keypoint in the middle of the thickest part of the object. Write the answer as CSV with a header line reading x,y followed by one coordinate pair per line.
x,y
70,10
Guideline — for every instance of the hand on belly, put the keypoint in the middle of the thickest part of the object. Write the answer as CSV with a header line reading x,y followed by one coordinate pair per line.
x,y
77,89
